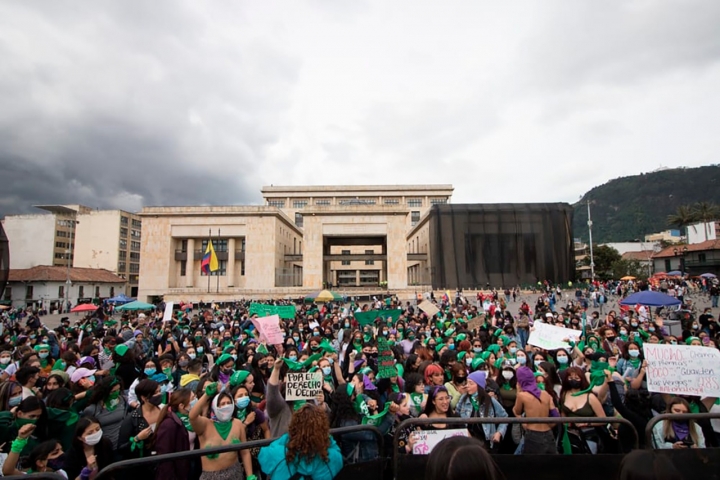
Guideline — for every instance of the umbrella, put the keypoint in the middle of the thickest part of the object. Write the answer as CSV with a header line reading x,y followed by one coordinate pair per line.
x,y
708,275
675,273
650,299
136,305
85,307
324,296
119,300
626,278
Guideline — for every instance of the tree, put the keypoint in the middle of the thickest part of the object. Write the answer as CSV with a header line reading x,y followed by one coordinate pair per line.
x,y
604,258
683,216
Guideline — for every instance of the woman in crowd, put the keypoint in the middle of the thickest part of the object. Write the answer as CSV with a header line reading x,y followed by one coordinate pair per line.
x,y
44,458
108,406
137,430
437,406
457,386
172,435
90,452
477,403
678,434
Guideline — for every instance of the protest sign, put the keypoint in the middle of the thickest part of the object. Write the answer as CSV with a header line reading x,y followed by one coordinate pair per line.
x,y
386,360
428,307
427,440
683,370
283,311
269,329
364,318
549,337
167,316
303,386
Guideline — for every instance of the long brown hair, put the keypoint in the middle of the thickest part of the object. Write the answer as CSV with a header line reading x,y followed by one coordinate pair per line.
x,y
309,432
667,429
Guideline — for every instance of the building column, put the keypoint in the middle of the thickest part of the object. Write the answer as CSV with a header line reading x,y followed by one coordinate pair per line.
x,y
189,262
230,271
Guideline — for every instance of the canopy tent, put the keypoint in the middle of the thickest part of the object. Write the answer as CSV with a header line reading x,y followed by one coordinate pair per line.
x,y
119,299
708,275
324,296
628,277
675,273
136,305
650,299
85,307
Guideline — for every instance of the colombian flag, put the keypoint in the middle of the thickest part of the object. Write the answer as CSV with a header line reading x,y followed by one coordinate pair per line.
x,y
209,262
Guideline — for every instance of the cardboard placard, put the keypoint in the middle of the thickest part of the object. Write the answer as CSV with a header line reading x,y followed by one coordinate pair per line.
x,y
167,316
269,329
386,360
682,369
303,386
428,307
549,337
427,440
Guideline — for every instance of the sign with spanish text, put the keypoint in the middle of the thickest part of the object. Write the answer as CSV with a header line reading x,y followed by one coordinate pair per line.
x,y
549,337
427,440
683,370
303,386
269,329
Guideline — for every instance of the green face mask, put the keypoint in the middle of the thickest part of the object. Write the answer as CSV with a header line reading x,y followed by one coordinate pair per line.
x,y
19,422
114,395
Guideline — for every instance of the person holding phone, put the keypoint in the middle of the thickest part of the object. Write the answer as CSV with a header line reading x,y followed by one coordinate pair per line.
x,y
678,434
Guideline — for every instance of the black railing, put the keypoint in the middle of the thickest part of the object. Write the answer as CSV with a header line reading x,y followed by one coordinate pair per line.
x,y
38,476
156,459
673,416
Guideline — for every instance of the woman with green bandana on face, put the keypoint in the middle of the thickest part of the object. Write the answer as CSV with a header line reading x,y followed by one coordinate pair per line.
x,y
108,406
30,411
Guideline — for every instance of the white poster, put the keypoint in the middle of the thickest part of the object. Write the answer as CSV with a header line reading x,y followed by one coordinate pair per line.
x,y
167,316
683,370
426,440
549,337
303,386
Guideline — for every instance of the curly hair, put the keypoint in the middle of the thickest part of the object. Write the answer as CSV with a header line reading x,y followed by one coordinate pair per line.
x,y
309,433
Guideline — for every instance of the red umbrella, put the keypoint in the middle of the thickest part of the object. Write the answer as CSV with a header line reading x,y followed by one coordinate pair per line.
x,y
85,307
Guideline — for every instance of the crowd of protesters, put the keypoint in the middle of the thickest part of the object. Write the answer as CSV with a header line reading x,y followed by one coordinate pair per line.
x,y
76,398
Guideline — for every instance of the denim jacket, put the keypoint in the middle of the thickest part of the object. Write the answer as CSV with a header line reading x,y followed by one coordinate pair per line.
x,y
465,410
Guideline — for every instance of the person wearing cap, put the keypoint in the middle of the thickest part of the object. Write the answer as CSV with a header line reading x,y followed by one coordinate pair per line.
x,y
82,380
477,403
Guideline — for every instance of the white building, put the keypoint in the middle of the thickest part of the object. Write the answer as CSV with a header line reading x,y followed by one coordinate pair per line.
x,y
48,286
625,247
702,232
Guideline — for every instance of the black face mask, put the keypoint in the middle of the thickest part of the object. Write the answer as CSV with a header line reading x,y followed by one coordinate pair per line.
x,y
574,384
156,399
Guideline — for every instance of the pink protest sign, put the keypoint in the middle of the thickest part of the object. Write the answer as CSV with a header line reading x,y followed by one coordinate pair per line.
x,y
269,329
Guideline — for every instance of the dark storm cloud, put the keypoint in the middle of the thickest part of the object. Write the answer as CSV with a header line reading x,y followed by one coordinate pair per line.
x,y
125,104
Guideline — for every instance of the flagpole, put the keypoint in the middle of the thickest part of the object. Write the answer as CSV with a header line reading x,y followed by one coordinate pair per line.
x,y
218,274
209,271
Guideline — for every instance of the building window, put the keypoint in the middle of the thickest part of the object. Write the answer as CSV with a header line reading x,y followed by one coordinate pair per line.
x,y
345,262
122,255
134,245
299,219
122,266
183,246
300,204
414,202
136,223
135,233
61,291
218,245
134,256
276,203
391,201
414,218
702,258
123,231
369,262
134,268
183,269
61,245
97,292
123,244
322,203
112,292
242,269
668,266
438,201
81,291
123,220
61,234
221,271
8,293
29,292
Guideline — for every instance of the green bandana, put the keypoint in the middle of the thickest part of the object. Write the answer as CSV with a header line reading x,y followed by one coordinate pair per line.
x,y
223,428
20,422
185,419
377,418
293,365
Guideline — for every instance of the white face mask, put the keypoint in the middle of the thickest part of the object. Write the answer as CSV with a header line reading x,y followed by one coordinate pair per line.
x,y
223,414
507,375
94,438
5,360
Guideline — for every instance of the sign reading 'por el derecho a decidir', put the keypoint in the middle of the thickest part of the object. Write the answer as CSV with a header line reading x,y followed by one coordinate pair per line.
x,y
303,386
683,370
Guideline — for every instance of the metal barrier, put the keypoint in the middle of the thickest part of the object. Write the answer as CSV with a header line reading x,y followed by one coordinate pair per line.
x,y
414,465
155,459
674,416
35,476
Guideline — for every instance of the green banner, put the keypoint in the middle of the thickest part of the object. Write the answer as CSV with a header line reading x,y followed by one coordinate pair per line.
x,y
283,311
365,318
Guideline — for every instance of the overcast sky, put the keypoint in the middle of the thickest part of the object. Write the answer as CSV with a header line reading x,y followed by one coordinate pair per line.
x,y
120,104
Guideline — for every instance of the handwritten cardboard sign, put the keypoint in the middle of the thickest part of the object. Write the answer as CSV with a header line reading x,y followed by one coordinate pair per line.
x,y
269,329
549,337
303,386
683,370
427,440
428,307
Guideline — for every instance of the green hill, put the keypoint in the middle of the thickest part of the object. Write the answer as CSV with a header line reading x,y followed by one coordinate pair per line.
x,y
631,207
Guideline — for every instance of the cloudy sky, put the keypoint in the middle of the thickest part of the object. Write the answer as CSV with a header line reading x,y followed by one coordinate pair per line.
x,y
120,104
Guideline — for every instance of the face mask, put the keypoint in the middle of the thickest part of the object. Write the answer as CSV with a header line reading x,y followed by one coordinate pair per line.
x,y
477,349
43,355
537,362
149,371
242,402
623,332
634,353
522,360
200,349
673,342
5,360
574,384
223,414
562,360
513,350
293,358
468,362
114,395
326,371
94,438
234,356
541,386
185,331
451,346
651,329
695,326
183,363
156,399
297,339
15,401
19,422
192,403
90,380
634,324
507,375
